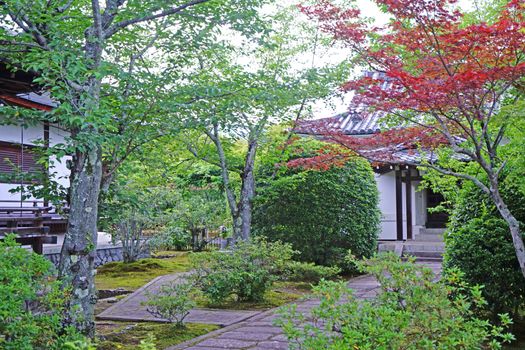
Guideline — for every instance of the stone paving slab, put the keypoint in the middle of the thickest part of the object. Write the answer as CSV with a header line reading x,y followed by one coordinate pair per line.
x,y
131,309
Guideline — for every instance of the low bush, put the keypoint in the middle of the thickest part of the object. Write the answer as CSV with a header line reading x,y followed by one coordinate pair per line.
x,y
309,272
246,272
129,232
411,311
173,302
32,303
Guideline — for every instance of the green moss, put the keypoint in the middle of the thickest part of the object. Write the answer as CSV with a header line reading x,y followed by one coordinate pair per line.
x,y
134,275
281,293
165,334
142,265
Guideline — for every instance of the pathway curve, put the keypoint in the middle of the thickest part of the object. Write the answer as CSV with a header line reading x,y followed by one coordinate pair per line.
x,y
258,332
130,308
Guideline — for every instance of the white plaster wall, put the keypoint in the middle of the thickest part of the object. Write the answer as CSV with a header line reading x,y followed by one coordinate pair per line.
x,y
30,136
417,204
419,209
59,166
14,133
386,184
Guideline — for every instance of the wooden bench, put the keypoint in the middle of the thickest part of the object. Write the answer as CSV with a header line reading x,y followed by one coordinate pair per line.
x,y
28,224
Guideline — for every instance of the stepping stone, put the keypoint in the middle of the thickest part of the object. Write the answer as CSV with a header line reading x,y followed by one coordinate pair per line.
x,y
130,308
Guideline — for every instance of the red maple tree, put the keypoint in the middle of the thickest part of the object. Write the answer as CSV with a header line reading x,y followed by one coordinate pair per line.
x,y
443,79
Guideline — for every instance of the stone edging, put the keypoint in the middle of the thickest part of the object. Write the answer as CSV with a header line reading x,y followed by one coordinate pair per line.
x,y
129,296
219,331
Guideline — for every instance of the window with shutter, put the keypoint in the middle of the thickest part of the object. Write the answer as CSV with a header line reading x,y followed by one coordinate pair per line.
x,y
12,160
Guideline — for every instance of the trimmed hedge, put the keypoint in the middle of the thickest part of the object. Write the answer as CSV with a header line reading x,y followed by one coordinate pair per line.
x,y
323,214
478,242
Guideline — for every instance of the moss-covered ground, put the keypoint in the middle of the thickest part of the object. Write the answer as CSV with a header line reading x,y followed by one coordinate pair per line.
x,y
127,335
279,294
132,276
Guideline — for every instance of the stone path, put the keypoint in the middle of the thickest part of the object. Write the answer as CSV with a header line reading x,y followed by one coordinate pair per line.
x,y
258,332
131,309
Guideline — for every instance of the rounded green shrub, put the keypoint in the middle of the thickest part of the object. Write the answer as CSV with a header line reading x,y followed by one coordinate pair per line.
x,y
483,250
478,243
245,272
323,214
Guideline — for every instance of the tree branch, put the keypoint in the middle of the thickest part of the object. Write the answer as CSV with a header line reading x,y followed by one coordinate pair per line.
x,y
19,43
477,182
122,24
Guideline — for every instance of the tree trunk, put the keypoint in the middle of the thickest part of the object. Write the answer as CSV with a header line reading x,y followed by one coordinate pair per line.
x,y
513,223
241,212
76,268
247,192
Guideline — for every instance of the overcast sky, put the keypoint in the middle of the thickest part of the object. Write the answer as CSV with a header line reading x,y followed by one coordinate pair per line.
x,y
368,8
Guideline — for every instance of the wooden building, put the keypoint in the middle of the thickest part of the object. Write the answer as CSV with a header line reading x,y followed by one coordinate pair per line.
x,y
33,219
404,207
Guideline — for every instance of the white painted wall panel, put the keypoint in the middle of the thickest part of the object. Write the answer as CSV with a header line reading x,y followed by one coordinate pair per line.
x,y
59,166
15,134
30,136
386,184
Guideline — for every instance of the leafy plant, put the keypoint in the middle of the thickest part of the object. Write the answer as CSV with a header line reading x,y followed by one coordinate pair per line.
x,y
32,303
171,238
322,213
411,311
148,343
173,302
482,249
129,232
245,272
478,243
309,272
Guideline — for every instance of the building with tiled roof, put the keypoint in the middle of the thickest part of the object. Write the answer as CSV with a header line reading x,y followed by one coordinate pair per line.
x,y
404,206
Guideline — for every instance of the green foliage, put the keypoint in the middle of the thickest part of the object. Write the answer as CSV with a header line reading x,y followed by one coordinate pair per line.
x,y
148,343
173,302
171,238
32,303
323,214
83,344
482,248
177,202
478,243
412,311
245,272
309,272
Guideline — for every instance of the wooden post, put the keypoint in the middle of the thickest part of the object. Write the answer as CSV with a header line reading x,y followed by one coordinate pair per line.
x,y
408,192
37,245
399,206
46,145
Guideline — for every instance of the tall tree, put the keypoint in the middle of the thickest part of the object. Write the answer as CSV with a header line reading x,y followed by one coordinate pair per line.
x,y
239,101
444,79
90,55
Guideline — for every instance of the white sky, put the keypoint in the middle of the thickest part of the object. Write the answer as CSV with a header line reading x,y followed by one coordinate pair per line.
x,y
368,8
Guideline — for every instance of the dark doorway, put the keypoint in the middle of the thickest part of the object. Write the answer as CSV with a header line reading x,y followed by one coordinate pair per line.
x,y
435,219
